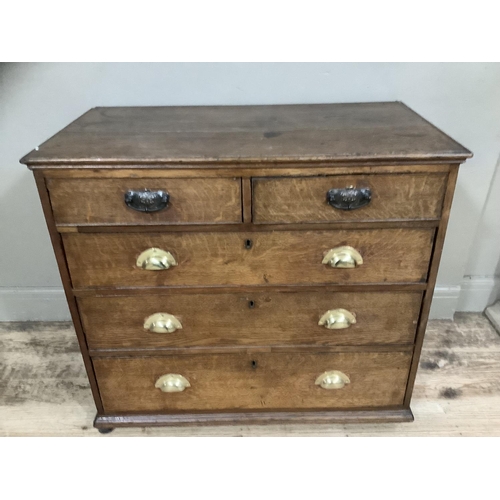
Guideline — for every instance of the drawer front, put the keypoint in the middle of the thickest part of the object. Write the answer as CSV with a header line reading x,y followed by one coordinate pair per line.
x,y
255,258
102,201
250,319
379,197
261,381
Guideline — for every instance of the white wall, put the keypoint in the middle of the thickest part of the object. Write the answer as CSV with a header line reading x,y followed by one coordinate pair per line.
x,y
37,100
481,284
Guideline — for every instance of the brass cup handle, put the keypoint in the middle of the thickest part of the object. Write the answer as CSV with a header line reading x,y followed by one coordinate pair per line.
x,y
343,257
172,382
155,259
332,380
162,323
337,319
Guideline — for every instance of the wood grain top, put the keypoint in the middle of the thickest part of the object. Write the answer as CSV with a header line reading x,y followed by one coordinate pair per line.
x,y
337,133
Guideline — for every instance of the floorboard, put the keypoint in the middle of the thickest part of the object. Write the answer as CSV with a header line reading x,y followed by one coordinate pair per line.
x,y
44,390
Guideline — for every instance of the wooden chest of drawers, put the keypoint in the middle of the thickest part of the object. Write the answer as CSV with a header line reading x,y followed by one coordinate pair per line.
x,y
249,264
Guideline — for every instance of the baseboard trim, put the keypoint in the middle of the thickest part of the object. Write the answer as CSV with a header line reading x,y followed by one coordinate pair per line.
x,y
474,294
444,302
33,304
478,292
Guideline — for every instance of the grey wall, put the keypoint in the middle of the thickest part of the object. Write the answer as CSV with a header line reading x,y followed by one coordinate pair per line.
x,y
37,100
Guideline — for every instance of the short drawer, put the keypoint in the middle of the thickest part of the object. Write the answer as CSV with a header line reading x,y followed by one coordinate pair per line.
x,y
250,319
348,198
145,201
260,381
253,258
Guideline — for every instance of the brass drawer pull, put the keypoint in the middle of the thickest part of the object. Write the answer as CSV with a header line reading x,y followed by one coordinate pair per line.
x,y
162,323
332,380
337,319
146,200
172,382
343,257
349,198
155,259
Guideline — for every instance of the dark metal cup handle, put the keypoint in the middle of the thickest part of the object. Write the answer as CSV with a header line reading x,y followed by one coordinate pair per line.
x,y
146,200
349,198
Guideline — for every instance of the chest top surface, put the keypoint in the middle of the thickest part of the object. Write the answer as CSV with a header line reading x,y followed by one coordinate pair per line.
x,y
171,135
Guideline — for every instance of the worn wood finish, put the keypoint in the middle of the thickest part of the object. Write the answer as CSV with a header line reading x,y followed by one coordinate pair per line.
x,y
434,266
241,170
101,201
310,132
214,290
250,319
303,199
249,225
314,418
284,348
246,200
246,171
252,381
390,256
246,227
66,281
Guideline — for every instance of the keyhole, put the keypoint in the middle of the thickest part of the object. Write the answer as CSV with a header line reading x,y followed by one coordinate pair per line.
x,y
251,304
254,364
248,244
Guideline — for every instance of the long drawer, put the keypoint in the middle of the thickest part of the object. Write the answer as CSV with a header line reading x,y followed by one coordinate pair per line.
x,y
250,319
261,381
145,201
348,198
253,258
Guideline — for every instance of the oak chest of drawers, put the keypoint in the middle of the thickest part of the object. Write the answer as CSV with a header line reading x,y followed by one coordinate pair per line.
x,y
249,264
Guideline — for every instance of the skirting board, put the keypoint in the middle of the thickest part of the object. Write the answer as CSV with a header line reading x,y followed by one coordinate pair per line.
x,y
474,294
49,304
478,292
444,302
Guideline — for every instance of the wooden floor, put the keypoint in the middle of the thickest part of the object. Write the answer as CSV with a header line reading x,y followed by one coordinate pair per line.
x,y
44,390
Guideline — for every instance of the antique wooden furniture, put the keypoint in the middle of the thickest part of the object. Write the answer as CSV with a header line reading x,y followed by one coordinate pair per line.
x,y
249,264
